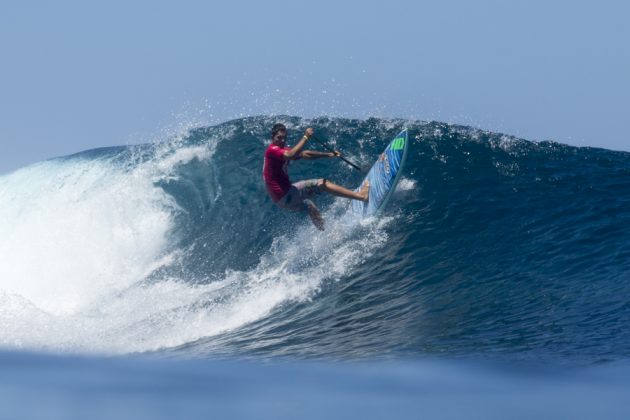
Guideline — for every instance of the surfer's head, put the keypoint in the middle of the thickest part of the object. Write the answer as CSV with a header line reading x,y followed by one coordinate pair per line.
x,y
279,134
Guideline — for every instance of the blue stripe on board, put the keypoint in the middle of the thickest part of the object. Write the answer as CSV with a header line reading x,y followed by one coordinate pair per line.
x,y
383,176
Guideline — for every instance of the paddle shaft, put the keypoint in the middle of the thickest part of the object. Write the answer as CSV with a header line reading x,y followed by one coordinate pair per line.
x,y
330,149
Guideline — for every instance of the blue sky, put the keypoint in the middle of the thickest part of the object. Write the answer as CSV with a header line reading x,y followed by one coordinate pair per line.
x,y
78,75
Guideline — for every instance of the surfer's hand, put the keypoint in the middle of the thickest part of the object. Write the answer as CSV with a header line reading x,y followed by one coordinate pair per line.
x,y
308,133
336,153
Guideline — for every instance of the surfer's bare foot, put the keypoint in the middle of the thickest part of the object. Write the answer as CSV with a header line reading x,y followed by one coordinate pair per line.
x,y
365,191
316,216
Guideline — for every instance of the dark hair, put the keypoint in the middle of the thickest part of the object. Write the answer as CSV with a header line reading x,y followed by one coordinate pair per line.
x,y
276,128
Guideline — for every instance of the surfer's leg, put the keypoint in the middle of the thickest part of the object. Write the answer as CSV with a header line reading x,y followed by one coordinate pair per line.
x,y
340,191
316,216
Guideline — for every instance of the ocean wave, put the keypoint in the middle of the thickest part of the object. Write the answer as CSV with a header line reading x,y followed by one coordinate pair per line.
x,y
490,245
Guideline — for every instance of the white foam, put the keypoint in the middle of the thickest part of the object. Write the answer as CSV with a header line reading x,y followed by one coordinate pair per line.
x,y
292,271
79,239
406,184
73,230
183,156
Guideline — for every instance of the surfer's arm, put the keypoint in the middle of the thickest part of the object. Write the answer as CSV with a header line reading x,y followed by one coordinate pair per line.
x,y
295,151
313,154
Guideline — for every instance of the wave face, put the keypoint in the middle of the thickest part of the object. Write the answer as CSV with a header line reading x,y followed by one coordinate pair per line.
x,y
491,245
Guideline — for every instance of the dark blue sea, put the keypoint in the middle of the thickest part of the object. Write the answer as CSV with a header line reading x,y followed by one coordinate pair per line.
x,y
159,281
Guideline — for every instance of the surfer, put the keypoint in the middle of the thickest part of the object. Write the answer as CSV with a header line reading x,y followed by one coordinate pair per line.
x,y
296,197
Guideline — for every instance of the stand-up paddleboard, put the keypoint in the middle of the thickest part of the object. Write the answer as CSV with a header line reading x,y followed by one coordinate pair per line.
x,y
383,177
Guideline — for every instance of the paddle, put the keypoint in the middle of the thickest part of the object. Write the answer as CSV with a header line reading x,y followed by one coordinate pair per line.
x,y
330,149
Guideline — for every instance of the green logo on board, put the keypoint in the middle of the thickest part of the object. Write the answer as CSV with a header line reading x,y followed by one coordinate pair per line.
x,y
398,143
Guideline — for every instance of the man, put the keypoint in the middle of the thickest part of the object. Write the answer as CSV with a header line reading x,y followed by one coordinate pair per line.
x,y
296,197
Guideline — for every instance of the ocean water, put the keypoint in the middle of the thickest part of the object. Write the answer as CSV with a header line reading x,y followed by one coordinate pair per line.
x,y
164,277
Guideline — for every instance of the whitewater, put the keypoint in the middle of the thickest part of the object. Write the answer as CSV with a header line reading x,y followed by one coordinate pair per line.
x,y
103,251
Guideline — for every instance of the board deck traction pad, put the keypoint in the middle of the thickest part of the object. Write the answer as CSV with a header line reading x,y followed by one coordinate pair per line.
x,y
383,177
